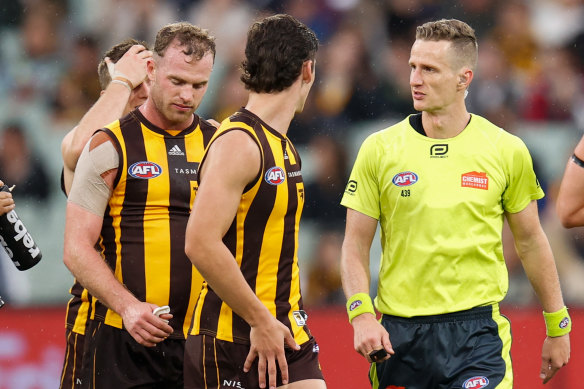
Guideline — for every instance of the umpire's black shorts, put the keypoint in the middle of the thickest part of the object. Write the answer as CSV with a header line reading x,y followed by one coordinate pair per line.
x,y
467,349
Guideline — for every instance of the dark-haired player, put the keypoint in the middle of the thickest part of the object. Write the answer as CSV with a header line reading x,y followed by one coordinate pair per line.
x,y
249,328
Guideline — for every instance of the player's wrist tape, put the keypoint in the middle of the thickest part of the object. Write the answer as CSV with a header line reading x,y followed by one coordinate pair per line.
x,y
123,81
358,304
577,161
557,323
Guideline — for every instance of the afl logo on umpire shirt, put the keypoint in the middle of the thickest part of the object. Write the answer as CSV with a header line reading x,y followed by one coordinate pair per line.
x,y
145,170
275,176
405,179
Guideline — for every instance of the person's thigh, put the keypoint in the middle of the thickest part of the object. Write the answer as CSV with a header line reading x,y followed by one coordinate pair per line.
x,y
469,349
305,384
72,365
410,366
113,359
213,363
489,362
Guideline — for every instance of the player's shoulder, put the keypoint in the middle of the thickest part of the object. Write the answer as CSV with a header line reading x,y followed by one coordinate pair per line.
x,y
207,123
207,126
122,125
496,134
100,137
387,134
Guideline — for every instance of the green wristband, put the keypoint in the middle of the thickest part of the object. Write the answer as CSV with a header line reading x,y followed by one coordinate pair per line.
x,y
358,304
558,323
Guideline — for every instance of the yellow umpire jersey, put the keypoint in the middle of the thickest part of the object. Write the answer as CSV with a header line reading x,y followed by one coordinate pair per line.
x,y
440,204
263,238
143,233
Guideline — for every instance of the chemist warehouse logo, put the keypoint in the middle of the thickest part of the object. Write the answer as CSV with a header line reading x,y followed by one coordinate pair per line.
x,y
145,170
475,180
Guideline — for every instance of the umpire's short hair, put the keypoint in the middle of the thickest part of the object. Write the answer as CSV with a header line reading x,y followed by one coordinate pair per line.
x,y
462,36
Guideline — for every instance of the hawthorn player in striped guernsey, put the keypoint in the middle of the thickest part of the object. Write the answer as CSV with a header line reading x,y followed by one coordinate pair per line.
x,y
249,327
128,60
132,193
440,184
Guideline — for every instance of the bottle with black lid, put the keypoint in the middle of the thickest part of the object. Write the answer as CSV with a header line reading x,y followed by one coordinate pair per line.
x,y
17,241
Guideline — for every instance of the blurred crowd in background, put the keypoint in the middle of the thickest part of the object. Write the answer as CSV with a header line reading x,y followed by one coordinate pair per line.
x,y
530,81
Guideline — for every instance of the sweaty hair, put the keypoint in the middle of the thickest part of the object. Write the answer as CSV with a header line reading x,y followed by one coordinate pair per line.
x,y
196,42
276,48
115,53
461,35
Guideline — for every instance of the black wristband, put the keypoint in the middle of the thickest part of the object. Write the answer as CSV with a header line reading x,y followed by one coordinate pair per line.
x,y
577,161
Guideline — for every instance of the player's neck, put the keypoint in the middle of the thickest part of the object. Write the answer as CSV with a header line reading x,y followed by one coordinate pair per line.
x,y
154,116
443,125
276,109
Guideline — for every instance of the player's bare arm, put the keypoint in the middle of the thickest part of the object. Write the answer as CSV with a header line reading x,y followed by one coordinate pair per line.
x,y
233,161
369,334
109,107
570,202
538,262
84,219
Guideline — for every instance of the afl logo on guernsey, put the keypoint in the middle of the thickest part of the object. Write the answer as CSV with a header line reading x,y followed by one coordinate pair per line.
x,y
405,179
476,383
145,170
275,176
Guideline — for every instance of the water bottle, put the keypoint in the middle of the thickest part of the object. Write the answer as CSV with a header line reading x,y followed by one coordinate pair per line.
x,y
16,240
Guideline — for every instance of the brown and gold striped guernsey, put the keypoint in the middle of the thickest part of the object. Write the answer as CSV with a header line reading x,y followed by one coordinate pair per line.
x,y
263,238
143,234
79,306
78,309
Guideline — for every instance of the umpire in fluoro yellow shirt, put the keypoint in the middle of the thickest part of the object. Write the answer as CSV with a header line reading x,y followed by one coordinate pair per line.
x,y
440,184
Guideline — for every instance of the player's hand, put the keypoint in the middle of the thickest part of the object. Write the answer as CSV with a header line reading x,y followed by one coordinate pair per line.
x,y
132,65
145,327
267,344
369,336
6,201
555,353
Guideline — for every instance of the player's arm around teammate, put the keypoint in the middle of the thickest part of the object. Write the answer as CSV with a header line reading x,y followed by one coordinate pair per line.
x,y
369,334
84,220
538,262
128,74
570,202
